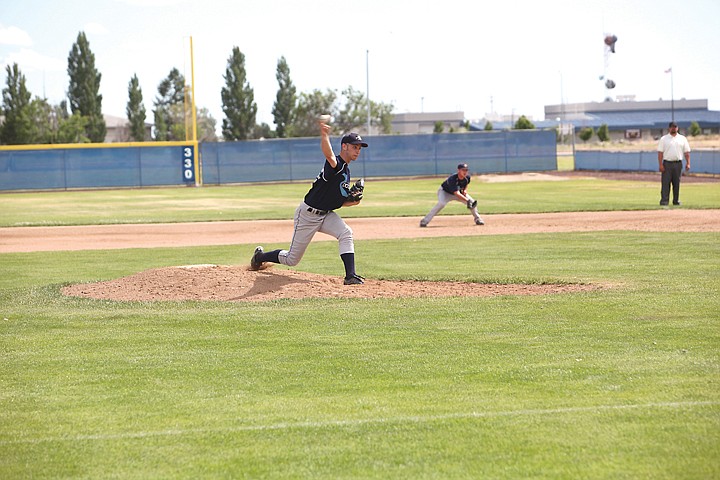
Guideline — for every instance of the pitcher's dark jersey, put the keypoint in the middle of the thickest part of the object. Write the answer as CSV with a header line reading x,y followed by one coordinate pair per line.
x,y
453,184
331,187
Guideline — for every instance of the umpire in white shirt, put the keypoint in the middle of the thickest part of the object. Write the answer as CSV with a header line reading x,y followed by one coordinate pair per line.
x,y
671,150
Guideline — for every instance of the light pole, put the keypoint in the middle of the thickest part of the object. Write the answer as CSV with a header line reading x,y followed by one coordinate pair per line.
x,y
672,97
672,94
367,73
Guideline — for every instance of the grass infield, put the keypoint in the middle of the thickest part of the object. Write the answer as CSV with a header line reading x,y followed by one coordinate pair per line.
x,y
621,382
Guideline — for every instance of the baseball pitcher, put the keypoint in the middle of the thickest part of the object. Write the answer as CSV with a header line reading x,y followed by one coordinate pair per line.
x,y
330,190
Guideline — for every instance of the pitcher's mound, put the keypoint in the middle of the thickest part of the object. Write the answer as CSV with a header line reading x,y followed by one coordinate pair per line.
x,y
238,283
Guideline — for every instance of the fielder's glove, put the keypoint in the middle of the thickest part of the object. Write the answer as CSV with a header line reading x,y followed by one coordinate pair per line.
x,y
356,191
471,204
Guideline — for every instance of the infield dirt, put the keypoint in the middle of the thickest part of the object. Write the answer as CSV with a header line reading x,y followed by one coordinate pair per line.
x,y
238,283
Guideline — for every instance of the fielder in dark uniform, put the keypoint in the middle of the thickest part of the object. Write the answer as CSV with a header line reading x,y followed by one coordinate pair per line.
x,y
316,213
454,188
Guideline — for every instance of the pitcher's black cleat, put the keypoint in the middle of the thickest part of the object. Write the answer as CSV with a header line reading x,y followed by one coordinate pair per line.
x,y
255,262
354,280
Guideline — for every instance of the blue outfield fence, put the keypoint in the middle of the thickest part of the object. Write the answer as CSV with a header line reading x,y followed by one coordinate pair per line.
x,y
701,161
100,167
138,165
387,156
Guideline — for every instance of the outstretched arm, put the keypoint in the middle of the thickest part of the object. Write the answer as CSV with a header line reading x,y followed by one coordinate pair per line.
x,y
461,196
326,146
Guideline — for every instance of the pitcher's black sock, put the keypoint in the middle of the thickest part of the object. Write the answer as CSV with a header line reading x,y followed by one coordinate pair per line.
x,y
349,261
270,256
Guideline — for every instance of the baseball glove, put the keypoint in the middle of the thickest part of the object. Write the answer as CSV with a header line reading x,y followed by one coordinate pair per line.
x,y
471,204
356,191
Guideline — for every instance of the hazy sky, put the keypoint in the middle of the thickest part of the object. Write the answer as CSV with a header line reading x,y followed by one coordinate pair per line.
x,y
452,55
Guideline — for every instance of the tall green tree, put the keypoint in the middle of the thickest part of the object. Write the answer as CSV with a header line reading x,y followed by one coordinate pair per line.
x,y
285,101
171,94
84,88
136,110
238,99
17,128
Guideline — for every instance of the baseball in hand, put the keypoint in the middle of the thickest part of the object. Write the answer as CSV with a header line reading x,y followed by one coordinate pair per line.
x,y
326,119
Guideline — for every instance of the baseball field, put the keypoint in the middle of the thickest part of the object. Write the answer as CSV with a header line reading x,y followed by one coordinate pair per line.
x,y
575,335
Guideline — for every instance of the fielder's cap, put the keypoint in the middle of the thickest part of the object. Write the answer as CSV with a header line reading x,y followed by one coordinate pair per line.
x,y
354,139
672,124
462,165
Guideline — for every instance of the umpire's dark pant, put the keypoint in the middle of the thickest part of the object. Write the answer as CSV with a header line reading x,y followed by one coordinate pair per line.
x,y
671,175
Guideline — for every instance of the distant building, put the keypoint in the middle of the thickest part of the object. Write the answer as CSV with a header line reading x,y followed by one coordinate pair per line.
x,y
118,129
425,122
628,119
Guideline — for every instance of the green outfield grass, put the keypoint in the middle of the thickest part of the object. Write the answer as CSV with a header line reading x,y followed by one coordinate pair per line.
x,y
565,162
383,198
622,382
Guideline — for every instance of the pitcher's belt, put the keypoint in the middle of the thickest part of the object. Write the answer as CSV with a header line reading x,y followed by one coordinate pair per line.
x,y
316,211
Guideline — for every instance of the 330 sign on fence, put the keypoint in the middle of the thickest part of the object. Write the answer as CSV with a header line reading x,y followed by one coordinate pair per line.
x,y
188,164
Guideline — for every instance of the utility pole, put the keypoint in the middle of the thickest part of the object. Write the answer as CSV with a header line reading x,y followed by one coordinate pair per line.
x,y
672,97
672,94
367,73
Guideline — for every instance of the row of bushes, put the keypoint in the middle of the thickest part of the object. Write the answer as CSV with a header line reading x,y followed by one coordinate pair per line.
x,y
603,132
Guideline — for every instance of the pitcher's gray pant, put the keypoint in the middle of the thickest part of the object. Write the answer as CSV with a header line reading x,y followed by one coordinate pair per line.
x,y
443,199
307,224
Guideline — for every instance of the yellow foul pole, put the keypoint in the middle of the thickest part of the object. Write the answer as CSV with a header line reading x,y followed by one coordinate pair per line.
x,y
192,93
198,177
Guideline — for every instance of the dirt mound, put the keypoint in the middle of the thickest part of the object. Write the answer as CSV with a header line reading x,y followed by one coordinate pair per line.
x,y
238,283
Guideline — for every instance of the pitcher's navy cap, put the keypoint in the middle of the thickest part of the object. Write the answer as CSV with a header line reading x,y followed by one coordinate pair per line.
x,y
354,139
462,165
